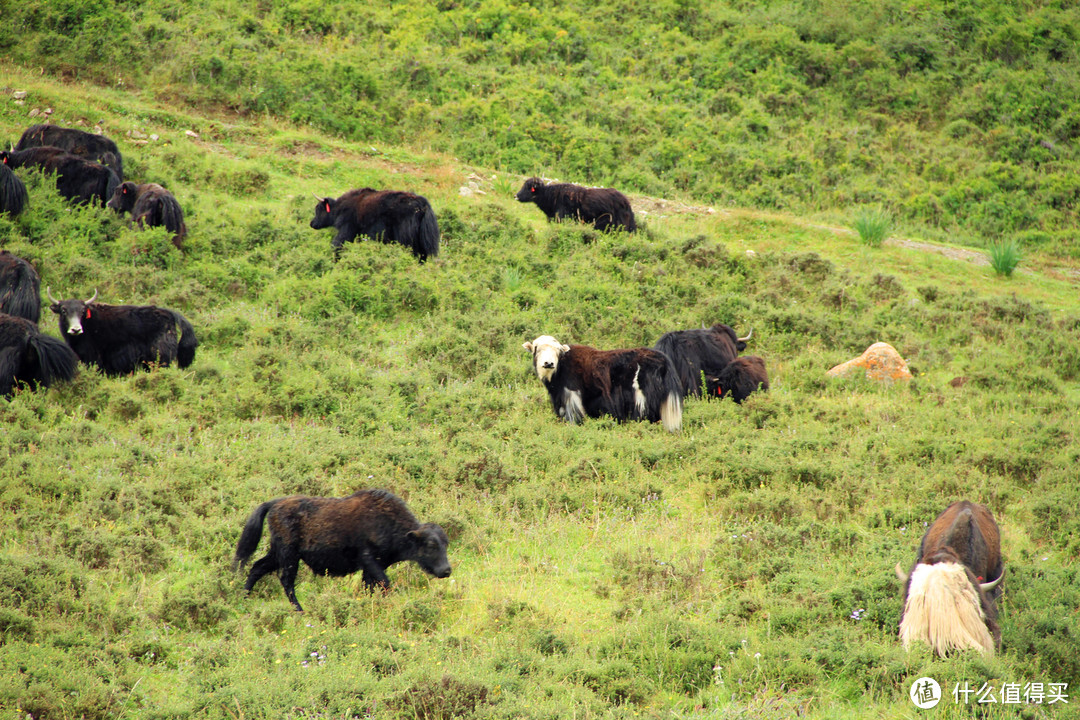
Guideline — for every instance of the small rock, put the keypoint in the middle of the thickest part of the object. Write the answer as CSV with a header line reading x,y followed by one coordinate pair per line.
x,y
35,112
191,133
19,94
880,362
750,253
154,136
47,111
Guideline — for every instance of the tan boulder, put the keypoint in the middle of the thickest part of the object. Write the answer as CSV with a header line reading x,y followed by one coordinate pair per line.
x,y
879,362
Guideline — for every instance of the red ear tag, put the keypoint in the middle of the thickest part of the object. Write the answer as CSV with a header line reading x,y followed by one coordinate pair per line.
x,y
87,313
532,189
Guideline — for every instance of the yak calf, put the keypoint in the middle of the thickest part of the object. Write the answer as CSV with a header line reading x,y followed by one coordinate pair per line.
x,y
28,356
150,205
739,378
369,530
603,207
950,592
388,216
122,338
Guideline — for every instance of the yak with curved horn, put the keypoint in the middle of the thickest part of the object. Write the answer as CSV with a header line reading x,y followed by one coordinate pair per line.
x,y
951,590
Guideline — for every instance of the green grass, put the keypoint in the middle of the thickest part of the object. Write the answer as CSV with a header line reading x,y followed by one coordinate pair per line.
x,y
873,226
605,570
1005,257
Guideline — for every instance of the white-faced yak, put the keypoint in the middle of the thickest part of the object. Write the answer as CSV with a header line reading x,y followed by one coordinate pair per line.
x,y
87,145
369,530
950,592
13,197
150,205
78,179
28,356
20,287
120,339
638,384
603,207
700,352
740,377
388,216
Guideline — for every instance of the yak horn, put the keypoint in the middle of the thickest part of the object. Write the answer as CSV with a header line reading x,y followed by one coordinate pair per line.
x,y
92,298
901,574
992,584
744,339
49,293
317,197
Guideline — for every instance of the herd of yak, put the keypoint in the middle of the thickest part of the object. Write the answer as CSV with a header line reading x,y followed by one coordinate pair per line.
x,y
949,592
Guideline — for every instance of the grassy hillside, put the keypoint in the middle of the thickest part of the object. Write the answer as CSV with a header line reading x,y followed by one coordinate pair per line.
x,y
959,119
741,568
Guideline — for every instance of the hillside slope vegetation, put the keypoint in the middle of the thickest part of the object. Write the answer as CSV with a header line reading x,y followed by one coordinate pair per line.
x,y
742,567
960,119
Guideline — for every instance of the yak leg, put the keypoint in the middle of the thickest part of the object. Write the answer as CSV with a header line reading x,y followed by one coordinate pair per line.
x,y
342,237
289,561
264,566
374,575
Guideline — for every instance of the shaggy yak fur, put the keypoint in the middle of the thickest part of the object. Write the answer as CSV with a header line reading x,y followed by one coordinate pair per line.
x,y
150,205
122,338
695,352
951,590
739,378
638,384
603,207
87,145
385,215
13,197
28,356
20,288
77,178
369,530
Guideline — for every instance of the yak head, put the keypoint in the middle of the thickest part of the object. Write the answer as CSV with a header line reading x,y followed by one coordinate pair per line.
x,y
546,352
429,543
324,213
72,312
124,197
527,193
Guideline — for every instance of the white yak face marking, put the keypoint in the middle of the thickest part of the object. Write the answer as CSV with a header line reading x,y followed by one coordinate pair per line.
x,y
546,352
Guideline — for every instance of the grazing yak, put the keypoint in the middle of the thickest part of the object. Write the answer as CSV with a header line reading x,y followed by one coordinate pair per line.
x,y
638,384
603,207
87,145
28,356
150,205
77,178
122,338
20,287
389,216
369,530
739,378
13,197
950,592
696,352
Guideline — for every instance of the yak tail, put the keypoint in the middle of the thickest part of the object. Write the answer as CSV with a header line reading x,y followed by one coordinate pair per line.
x,y
55,360
13,197
24,297
672,393
185,351
252,533
112,181
426,233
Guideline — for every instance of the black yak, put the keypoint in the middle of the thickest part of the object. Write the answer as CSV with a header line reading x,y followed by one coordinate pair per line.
x,y
77,178
950,592
20,287
389,216
13,197
603,207
28,356
122,338
150,205
739,378
86,145
638,384
369,530
695,352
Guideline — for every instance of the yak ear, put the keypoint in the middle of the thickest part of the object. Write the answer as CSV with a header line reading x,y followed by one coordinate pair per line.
x,y
528,346
565,348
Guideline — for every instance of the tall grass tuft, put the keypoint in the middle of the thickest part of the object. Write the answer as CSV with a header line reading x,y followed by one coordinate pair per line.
x,y
873,225
1005,256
